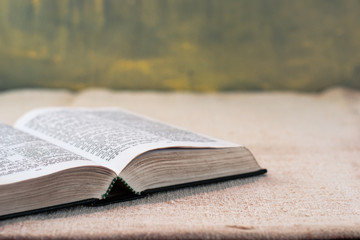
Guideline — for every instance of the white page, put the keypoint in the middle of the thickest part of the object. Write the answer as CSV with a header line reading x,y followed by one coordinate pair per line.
x,y
23,156
111,137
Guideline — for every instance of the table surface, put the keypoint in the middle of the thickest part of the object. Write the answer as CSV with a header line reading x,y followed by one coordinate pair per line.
x,y
310,144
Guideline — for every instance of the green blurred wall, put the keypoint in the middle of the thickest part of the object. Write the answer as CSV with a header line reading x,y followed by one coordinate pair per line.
x,y
200,45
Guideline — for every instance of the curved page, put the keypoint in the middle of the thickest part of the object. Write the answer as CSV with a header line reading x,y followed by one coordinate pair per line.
x,y
24,156
111,137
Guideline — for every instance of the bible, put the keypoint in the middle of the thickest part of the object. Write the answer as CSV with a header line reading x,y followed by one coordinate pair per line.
x,y
57,157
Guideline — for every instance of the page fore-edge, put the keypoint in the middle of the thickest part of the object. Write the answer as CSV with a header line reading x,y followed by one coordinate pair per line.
x,y
106,201
208,181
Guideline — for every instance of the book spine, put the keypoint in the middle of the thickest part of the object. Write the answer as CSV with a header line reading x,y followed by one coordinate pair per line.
x,y
123,183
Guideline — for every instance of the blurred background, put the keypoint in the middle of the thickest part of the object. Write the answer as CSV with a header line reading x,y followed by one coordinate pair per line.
x,y
187,45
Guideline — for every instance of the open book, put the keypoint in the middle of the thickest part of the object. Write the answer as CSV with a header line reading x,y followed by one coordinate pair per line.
x,y
57,157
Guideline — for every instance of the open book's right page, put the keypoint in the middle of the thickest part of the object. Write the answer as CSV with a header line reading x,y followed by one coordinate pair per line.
x,y
111,137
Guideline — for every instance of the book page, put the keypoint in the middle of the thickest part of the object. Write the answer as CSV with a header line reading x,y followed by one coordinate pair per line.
x,y
24,156
111,137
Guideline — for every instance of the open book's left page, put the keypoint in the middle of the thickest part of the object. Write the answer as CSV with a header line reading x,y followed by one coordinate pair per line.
x,y
35,174
24,156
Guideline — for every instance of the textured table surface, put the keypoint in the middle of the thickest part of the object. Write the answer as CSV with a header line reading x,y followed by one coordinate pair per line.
x,y
310,144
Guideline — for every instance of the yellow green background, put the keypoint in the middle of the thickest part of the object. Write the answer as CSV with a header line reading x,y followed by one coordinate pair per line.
x,y
191,45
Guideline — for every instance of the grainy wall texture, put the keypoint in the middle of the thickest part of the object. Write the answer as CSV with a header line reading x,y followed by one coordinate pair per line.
x,y
201,45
